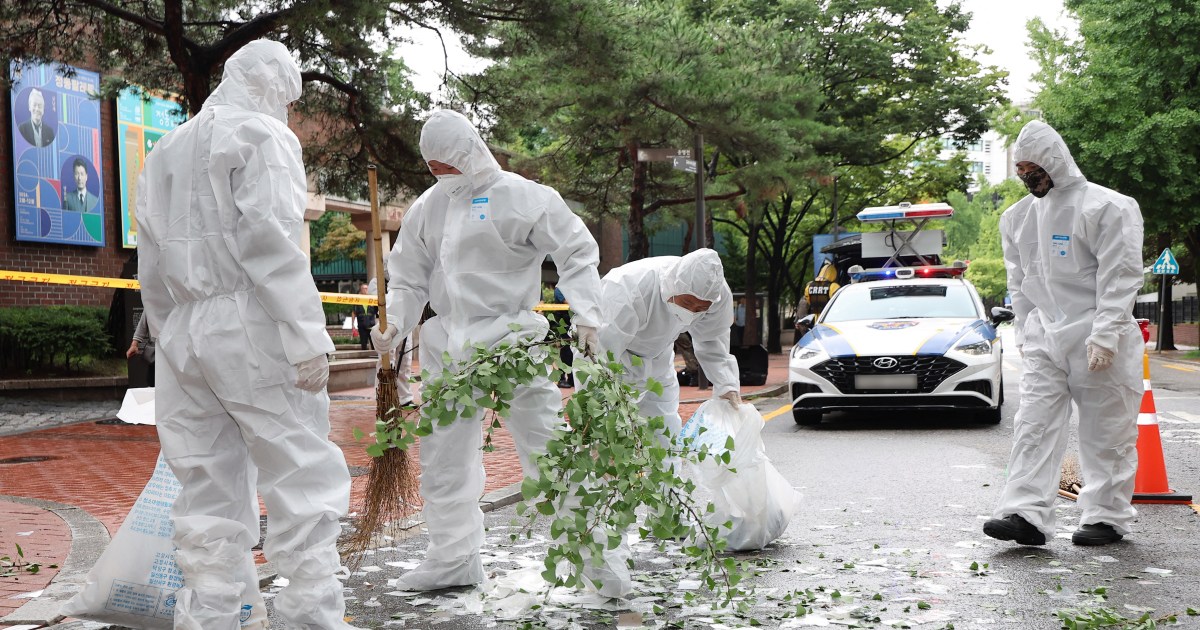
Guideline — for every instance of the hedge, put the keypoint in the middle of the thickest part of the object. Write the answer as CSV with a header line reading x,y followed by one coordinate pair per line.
x,y
32,337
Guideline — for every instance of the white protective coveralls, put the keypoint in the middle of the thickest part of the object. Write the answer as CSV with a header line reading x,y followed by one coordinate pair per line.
x,y
1074,262
638,321
472,246
230,297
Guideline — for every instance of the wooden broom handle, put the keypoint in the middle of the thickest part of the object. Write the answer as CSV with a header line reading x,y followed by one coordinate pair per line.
x,y
377,235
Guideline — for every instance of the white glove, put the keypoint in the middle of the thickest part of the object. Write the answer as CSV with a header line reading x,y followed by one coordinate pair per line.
x,y
588,340
1099,358
313,374
732,397
387,340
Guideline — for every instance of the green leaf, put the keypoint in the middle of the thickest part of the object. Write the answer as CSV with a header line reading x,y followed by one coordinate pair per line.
x,y
923,605
358,434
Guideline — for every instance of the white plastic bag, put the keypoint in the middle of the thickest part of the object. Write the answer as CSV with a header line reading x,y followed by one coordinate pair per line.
x,y
348,323
138,406
748,491
133,583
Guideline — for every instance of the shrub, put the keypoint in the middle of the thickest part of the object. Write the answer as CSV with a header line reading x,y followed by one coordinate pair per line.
x,y
32,337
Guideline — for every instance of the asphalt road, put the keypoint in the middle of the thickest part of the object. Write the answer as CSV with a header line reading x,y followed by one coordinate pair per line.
x,y
888,535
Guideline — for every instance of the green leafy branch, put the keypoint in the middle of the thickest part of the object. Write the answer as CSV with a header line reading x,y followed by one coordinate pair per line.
x,y
596,473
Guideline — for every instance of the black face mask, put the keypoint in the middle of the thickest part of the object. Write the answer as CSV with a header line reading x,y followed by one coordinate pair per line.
x,y
1037,181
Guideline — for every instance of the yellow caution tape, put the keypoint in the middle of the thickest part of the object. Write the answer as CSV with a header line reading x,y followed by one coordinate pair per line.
x,y
78,281
123,283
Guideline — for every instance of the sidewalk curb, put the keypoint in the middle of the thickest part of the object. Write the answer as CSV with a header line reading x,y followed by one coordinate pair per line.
x,y
89,538
768,392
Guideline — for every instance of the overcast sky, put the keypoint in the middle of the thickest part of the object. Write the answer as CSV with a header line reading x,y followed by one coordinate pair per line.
x,y
999,24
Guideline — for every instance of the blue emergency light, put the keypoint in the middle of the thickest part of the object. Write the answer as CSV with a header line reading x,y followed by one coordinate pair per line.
x,y
907,212
955,270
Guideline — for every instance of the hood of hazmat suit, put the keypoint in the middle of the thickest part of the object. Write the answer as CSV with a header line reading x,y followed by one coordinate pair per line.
x,y
1074,264
472,246
637,319
229,293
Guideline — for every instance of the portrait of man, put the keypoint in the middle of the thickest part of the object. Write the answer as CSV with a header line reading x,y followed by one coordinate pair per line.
x,y
78,199
34,130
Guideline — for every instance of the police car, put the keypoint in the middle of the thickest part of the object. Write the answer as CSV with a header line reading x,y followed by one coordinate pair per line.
x,y
901,338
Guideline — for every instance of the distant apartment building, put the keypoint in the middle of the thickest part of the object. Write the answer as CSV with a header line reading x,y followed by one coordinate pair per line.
x,y
987,157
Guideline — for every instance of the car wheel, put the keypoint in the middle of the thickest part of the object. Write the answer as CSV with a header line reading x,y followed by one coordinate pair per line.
x,y
991,415
806,417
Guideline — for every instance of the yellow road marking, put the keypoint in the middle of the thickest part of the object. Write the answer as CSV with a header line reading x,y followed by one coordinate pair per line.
x,y
778,412
1181,369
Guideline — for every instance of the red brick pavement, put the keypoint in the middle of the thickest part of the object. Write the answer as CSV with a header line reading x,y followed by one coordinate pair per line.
x,y
44,538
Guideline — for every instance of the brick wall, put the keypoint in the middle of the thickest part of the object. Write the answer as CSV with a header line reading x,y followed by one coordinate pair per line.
x,y
1185,334
16,255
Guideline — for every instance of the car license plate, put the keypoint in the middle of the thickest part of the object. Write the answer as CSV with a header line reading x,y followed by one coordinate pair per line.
x,y
885,381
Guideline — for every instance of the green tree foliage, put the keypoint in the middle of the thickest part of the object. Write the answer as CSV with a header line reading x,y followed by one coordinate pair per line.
x,y
335,237
358,104
974,234
1125,96
650,75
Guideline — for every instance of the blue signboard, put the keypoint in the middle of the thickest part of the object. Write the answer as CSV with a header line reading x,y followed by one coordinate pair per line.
x,y
141,121
58,173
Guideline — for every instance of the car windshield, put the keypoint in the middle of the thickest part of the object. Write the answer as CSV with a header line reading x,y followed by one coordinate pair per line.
x,y
902,301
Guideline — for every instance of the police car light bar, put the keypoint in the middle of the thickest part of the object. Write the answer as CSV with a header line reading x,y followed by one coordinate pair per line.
x,y
858,274
907,211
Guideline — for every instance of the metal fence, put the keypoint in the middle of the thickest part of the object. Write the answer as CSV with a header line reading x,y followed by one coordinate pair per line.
x,y
1183,310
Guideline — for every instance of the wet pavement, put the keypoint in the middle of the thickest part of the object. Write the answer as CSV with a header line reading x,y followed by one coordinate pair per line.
x,y
888,534
76,457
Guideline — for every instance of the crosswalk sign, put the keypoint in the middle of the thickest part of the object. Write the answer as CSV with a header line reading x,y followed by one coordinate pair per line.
x,y
1165,265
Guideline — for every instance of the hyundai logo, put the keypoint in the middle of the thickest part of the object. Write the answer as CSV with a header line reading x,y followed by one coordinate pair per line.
x,y
886,363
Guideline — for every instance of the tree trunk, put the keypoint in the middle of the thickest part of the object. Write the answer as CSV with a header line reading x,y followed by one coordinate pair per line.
x,y
639,245
687,237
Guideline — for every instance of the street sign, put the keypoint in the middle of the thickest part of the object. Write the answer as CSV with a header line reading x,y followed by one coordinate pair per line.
x,y
1165,265
683,164
661,155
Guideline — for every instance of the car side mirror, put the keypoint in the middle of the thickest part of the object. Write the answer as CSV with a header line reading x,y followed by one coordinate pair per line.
x,y
1001,315
809,320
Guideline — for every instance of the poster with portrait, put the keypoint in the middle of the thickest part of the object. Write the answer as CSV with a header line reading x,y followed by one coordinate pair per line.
x,y
141,120
57,155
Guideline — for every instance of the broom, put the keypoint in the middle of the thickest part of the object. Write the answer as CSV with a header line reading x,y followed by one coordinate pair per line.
x,y
392,484
1071,481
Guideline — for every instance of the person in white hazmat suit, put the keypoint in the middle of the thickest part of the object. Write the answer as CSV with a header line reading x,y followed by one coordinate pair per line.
x,y
242,349
1073,252
647,304
472,246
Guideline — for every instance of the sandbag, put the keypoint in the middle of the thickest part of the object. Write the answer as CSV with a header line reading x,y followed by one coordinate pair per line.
x,y
133,583
748,491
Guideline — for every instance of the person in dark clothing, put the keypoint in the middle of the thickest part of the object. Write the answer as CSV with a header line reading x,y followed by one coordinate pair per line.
x,y
364,319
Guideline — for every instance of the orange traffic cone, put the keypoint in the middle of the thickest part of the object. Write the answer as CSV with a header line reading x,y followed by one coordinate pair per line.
x,y
1150,485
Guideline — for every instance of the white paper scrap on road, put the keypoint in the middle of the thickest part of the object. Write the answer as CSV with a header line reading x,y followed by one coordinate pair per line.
x,y
1157,571
138,406
29,595
1104,559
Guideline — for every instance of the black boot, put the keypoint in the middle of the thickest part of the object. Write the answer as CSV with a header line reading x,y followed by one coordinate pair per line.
x,y
1094,534
1014,528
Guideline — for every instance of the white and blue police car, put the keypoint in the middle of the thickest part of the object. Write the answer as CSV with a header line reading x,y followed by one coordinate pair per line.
x,y
901,338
